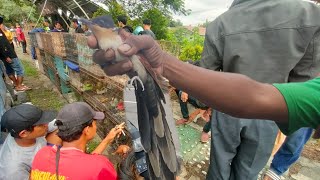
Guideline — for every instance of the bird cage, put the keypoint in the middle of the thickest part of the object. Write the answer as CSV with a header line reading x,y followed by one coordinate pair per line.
x,y
85,57
47,42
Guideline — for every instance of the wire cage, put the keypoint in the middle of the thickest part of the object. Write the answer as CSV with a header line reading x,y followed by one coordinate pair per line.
x,y
49,60
85,57
61,68
58,44
39,41
74,79
70,47
47,42
105,94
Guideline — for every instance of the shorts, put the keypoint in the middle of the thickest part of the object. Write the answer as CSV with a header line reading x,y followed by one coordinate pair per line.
x,y
14,68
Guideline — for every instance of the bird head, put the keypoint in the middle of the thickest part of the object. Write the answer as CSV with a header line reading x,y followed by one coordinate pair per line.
x,y
104,30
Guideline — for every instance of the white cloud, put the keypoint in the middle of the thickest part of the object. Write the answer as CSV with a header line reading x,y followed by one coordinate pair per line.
x,y
202,10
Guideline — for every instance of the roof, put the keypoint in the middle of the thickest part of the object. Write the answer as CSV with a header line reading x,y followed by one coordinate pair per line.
x,y
52,6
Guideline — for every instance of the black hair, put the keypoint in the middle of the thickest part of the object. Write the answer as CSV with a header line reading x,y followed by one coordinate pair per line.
x,y
128,29
122,19
16,134
55,23
77,131
126,169
147,22
75,21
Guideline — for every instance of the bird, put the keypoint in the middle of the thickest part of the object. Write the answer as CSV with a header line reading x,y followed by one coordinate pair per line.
x,y
156,136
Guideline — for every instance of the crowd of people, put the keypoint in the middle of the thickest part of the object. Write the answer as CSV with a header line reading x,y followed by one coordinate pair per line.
x,y
257,76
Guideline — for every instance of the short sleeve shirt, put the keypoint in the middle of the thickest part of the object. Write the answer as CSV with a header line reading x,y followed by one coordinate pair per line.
x,y
303,103
73,165
15,161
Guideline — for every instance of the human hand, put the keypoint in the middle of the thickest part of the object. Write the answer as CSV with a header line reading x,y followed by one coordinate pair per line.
x,y
142,45
122,150
115,132
184,97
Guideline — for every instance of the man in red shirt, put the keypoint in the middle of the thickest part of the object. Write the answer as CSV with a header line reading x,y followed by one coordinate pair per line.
x,y
21,38
77,126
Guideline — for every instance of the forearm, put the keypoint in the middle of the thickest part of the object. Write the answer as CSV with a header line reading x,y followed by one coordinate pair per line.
x,y
102,146
231,93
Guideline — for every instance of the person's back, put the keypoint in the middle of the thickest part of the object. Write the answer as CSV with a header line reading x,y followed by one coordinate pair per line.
x,y
73,164
148,32
270,41
265,40
77,126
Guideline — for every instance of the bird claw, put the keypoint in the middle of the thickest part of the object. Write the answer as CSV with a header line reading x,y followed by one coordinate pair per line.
x,y
134,79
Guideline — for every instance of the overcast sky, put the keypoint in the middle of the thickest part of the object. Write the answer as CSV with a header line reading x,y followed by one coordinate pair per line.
x,y
202,10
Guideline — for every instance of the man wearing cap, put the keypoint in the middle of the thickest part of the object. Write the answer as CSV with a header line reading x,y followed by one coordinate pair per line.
x,y
77,126
27,126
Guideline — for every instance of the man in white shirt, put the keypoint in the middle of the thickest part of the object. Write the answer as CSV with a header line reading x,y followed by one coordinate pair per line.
x,y
29,130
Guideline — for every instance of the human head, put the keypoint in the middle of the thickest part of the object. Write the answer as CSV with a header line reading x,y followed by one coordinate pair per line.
x,y
27,121
75,23
17,25
122,21
58,25
46,23
76,120
127,168
146,24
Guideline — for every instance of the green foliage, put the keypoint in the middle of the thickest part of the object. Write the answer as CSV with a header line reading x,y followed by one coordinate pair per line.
x,y
159,22
191,42
174,23
137,8
191,52
15,11
100,11
115,9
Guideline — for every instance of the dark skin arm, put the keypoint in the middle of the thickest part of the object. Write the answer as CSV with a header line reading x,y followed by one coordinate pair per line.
x,y
230,93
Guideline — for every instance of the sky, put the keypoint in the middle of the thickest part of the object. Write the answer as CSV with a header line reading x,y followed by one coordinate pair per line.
x,y
202,10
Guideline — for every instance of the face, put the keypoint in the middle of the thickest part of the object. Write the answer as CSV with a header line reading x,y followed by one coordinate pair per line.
x,y
74,25
58,26
38,131
2,26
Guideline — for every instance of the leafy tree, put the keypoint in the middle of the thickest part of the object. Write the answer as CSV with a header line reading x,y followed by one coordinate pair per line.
x,y
15,11
174,23
191,42
159,22
136,8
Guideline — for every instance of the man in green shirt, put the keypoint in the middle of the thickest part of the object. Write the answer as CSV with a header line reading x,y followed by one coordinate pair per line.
x,y
291,106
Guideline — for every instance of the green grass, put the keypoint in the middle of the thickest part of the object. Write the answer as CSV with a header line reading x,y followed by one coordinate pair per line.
x,y
91,145
46,99
29,69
